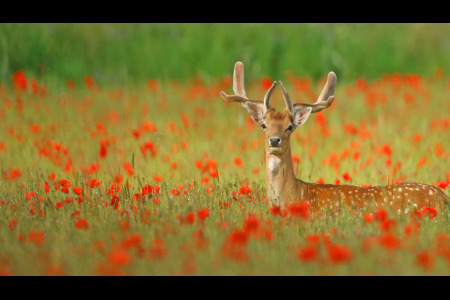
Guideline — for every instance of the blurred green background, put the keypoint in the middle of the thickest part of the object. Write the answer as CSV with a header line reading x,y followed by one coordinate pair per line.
x,y
130,53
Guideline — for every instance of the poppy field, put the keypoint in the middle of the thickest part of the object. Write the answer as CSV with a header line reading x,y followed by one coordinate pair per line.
x,y
165,178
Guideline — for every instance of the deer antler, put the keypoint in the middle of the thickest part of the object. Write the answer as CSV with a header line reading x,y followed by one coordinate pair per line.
x,y
238,80
239,91
324,101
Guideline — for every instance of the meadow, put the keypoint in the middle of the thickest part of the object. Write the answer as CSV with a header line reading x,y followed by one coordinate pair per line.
x,y
159,176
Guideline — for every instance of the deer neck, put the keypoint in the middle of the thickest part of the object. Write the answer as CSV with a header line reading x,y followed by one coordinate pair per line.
x,y
280,177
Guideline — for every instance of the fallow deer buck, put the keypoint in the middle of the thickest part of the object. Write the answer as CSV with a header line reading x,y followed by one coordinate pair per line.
x,y
284,188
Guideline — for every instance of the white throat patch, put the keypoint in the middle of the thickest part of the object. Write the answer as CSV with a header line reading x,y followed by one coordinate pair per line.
x,y
273,164
275,185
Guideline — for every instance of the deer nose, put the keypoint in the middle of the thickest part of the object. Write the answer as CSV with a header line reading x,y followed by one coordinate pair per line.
x,y
274,141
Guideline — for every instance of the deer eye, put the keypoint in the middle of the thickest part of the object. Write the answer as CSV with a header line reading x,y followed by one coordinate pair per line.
x,y
290,128
263,126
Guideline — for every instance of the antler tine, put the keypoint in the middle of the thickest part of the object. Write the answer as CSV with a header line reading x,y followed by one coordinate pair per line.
x,y
238,86
328,89
239,91
268,95
238,80
326,97
286,97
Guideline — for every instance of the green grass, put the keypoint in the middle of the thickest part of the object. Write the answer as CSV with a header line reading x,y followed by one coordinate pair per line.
x,y
123,53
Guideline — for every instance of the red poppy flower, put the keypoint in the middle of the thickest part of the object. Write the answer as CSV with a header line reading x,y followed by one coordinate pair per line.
x,y
296,159
19,80
147,189
213,173
339,254
386,149
425,260
321,119
158,249
93,182
132,240
199,164
380,215
307,253
238,237
203,214
82,224
29,195
118,256
387,224
77,190
38,238
275,210
34,128
129,168
443,184
153,85
320,180
190,218
89,81
368,218
103,150
430,211
313,238
64,183
12,224
238,161
245,190
389,241
301,210
346,176
266,83
416,138
251,223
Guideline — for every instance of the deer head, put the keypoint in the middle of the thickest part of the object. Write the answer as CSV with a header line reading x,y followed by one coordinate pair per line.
x,y
278,125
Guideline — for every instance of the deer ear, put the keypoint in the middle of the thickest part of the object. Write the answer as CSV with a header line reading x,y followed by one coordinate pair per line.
x,y
301,115
256,113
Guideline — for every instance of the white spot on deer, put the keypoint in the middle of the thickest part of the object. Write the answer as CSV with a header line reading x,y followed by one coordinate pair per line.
x,y
430,193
